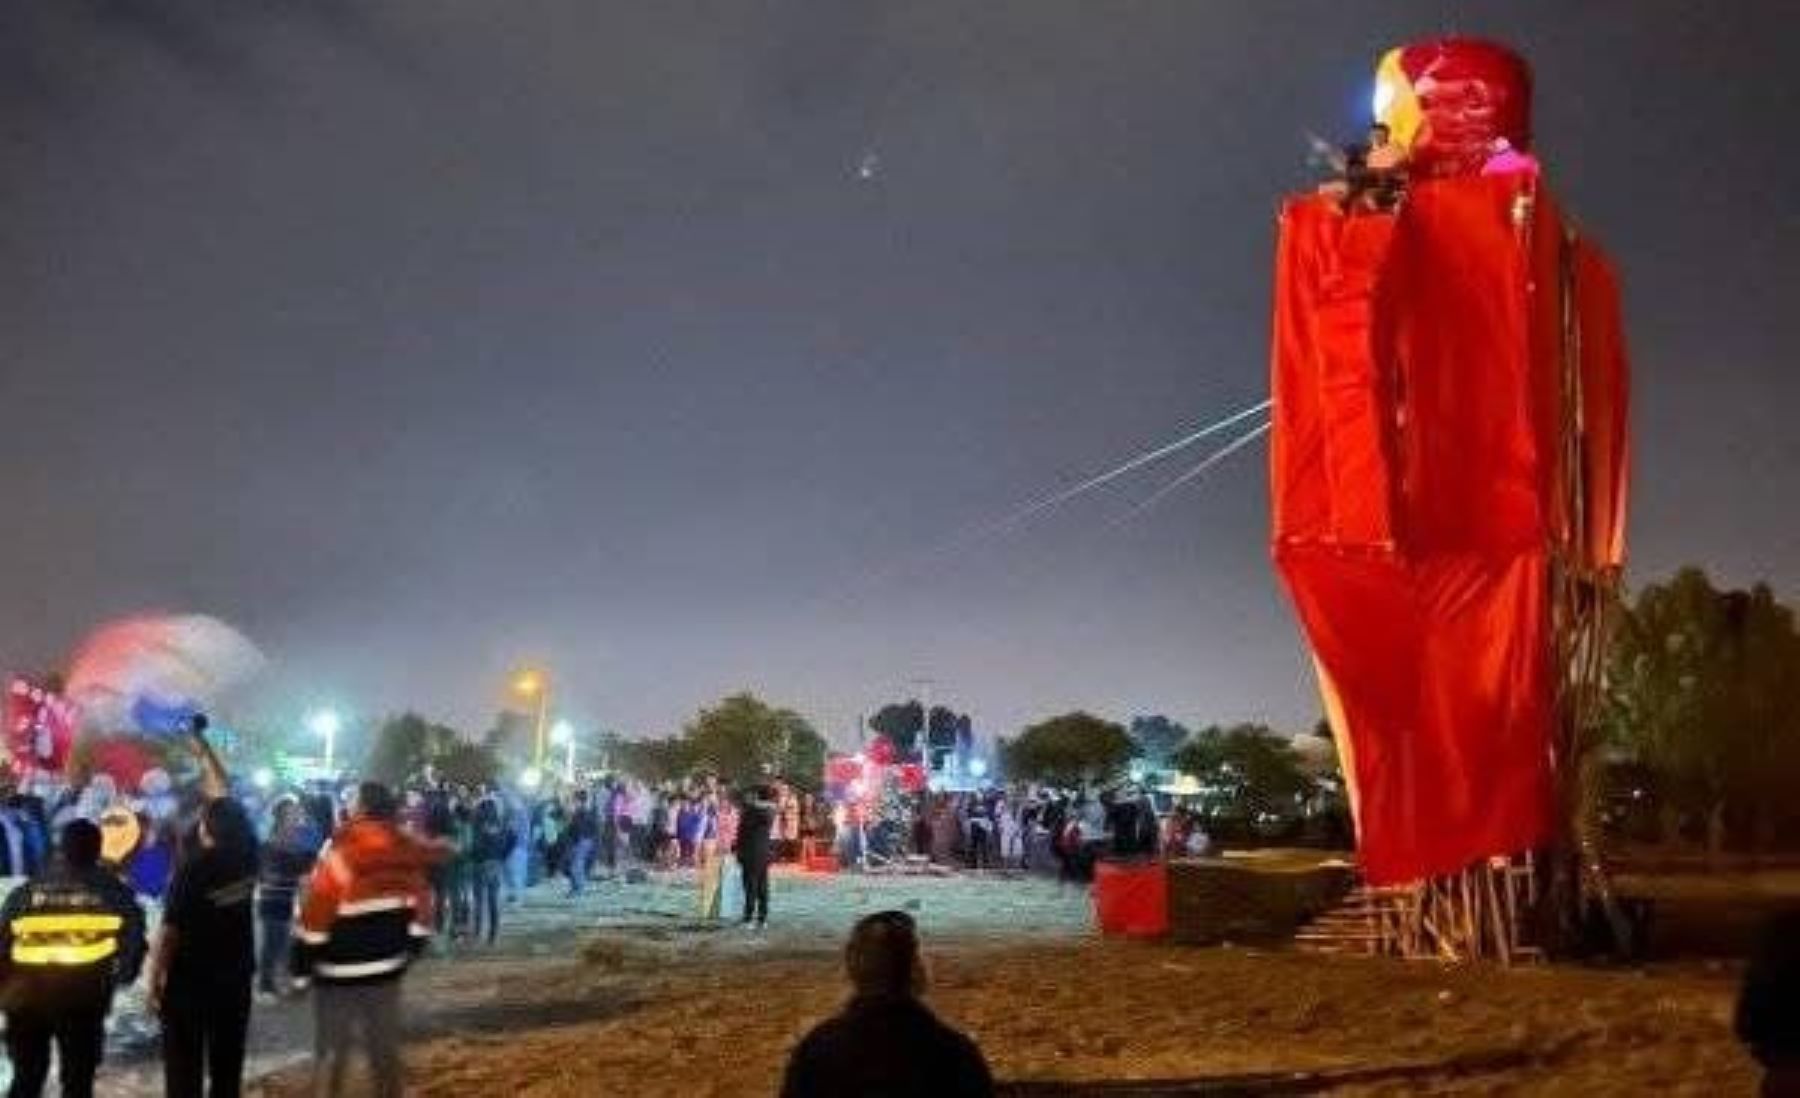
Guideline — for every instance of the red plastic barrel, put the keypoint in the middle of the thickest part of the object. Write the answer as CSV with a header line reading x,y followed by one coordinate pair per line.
x,y
1131,899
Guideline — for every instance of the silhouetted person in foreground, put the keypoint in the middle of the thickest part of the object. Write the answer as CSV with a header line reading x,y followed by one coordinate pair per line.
x,y
886,1043
1768,1011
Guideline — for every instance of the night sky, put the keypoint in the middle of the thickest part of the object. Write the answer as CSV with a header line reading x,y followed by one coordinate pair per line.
x,y
656,342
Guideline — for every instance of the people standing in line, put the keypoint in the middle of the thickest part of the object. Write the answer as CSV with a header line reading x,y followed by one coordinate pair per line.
x,y
205,957
69,938
366,916
886,1040
286,860
756,820
490,846
583,830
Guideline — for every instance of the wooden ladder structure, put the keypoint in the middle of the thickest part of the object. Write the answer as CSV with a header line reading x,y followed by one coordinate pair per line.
x,y
1481,913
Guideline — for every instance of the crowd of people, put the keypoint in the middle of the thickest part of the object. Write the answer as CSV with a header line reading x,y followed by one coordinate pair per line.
x,y
1028,829
336,892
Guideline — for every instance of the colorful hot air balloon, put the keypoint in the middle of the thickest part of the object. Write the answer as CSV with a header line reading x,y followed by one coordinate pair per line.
x,y
142,674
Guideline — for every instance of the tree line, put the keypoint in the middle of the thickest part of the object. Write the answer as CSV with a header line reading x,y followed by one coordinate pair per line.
x,y
742,738
1703,716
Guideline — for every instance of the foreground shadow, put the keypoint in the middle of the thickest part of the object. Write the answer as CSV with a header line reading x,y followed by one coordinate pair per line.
x,y
1284,1082
491,1018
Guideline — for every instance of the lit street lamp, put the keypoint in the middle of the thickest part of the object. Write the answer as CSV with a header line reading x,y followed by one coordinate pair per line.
x,y
533,683
326,724
562,734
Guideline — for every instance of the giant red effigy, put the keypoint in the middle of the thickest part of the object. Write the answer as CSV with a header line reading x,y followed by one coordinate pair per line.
x,y
1448,468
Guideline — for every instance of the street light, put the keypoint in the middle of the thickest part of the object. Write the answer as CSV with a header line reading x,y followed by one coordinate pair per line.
x,y
534,683
327,724
531,779
562,734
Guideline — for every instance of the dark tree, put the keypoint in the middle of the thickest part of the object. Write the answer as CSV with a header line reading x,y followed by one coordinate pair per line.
x,y
1704,690
1254,770
746,739
902,723
1068,750
1157,737
405,745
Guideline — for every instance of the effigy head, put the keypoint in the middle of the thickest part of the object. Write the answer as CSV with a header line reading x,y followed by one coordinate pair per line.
x,y
1454,104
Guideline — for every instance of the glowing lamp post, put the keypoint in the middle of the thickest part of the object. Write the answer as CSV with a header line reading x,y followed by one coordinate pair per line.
x,y
535,684
562,734
326,724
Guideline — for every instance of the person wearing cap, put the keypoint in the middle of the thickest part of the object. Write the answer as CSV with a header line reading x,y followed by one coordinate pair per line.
x,y
886,1043
69,938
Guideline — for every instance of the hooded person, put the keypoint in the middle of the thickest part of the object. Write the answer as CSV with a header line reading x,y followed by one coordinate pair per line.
x,y
886,1043
367,915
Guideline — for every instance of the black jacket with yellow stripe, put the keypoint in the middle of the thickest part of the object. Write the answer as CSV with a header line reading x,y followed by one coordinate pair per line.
x,y
68,935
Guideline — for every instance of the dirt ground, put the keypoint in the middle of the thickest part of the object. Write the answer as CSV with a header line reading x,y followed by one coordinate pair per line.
x,y
619,993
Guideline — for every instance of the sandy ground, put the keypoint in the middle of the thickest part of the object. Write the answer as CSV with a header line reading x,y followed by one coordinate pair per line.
x,y
620,993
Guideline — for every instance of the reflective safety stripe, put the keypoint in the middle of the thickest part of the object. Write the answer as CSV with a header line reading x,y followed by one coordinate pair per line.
x,y
67,923
375,904
332,970
63,953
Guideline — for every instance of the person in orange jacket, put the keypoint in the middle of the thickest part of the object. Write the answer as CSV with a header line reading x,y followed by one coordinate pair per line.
x,y
367,914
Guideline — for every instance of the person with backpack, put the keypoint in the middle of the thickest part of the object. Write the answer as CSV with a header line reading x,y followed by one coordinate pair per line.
x,y
492,844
